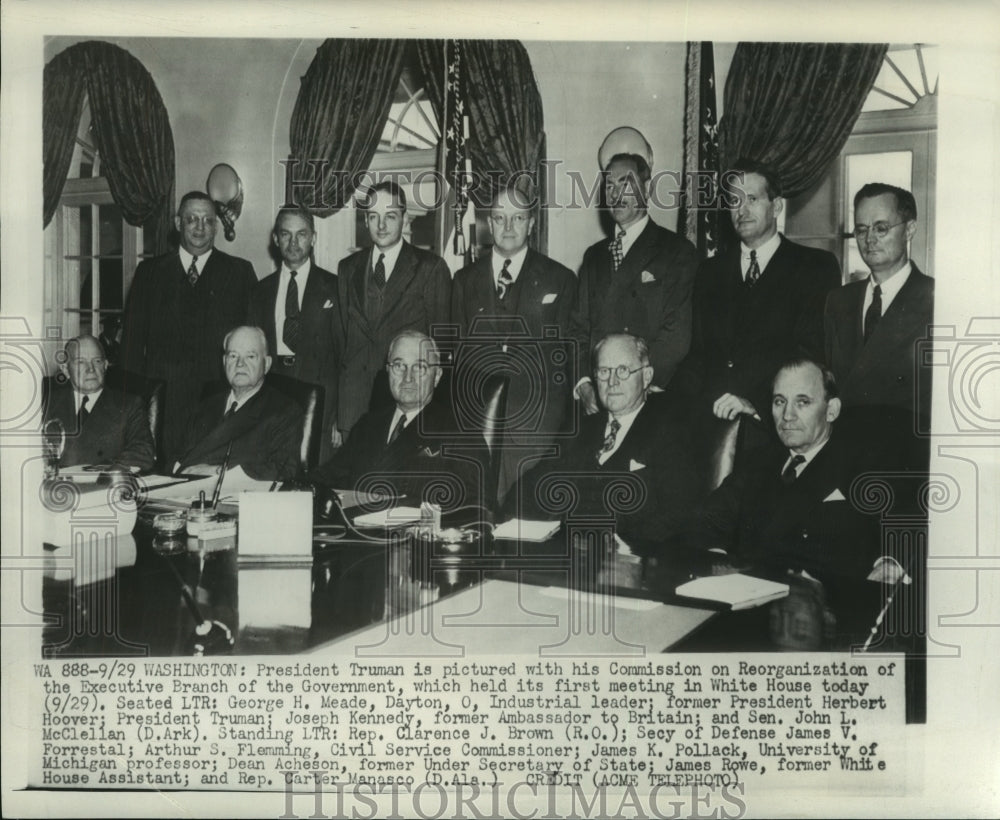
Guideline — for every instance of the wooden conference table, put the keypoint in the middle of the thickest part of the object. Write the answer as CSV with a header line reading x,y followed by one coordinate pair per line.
x,y
382,591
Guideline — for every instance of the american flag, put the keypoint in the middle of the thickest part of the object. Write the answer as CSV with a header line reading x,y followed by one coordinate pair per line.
x,y
700,216
458,164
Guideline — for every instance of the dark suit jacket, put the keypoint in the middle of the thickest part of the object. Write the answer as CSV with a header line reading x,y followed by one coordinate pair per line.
x,y
266,433
741,335
669,480
539,359
763,522
885,370
658,310
416,297
428,456
317,359
116,431
174,332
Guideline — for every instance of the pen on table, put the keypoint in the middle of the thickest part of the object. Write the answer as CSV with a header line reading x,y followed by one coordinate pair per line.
x,y
273,487
222,475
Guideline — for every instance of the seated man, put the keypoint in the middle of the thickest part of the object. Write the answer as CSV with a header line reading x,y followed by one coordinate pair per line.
x,y
259,427
639,440
102,425
412,447
791,508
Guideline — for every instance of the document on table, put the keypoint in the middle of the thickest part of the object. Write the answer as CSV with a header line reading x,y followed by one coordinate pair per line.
x,y
736,589
393,517
519,529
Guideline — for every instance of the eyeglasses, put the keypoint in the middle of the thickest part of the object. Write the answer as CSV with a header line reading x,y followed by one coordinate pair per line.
x,y
193,221
603,374
879,229
514,219
399,368
96,364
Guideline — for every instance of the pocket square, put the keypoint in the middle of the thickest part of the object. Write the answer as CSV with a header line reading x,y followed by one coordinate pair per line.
x,y
634,465
836,495
327,305
549,298
429,453
647,277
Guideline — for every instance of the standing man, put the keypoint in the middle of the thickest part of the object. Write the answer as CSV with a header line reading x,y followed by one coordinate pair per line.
x,y
756,305
639,283
102,425
510,307
296,306
872,326
385,290
180,307
259,427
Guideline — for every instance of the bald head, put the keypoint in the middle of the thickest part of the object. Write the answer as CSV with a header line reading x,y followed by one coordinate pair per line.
x,y
84,364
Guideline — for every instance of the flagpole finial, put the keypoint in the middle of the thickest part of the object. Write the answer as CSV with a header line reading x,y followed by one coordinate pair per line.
x,y
624,140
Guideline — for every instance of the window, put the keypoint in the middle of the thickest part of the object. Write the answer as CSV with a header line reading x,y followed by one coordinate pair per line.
x,y
409,147
93,251
893,141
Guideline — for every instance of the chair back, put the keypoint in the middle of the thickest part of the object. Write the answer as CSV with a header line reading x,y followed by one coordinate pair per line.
x,y
309,397
151,391
721,445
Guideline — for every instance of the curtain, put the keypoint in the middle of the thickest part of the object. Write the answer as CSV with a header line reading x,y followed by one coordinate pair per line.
x,y
793,105
130,126
342,106
507,132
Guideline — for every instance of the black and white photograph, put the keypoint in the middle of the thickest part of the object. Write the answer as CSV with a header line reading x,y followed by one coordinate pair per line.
x,y
499,410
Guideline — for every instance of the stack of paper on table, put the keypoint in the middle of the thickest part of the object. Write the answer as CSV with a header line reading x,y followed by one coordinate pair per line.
x,y
519,529
393,517
738,590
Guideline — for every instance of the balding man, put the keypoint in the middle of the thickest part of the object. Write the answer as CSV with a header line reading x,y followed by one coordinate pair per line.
x,y
103,426
259,427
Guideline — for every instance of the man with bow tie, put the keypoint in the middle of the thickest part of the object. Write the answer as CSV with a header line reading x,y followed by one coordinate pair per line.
x,y
258,426
638,442
411,448
639,283
296,306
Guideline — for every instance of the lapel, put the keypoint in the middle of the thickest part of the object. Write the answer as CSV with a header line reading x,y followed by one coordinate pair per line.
x,y
245,419
484,294
894,329
632,447
268,305
62,407
634,263
790,503
399,283
352,293
312,299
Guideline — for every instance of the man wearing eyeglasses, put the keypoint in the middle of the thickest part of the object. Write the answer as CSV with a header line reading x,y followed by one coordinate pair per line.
x,y
639,439
102,425
179,308
410,446
258,426
872,326
511,307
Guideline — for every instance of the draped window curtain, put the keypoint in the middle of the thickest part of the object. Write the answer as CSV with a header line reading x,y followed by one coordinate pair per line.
x,y
341,108
793,105
131,131
507,130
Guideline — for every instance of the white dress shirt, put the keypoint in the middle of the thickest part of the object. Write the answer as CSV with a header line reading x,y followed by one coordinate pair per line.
x,y
391,255
240,402
410,416
91,399
284,277
764,254
625,420
808,455
890,287
516,262
632,233
200,264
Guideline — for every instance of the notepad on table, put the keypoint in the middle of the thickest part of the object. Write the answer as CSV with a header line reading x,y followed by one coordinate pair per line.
x,y
738,590
519,529
393,517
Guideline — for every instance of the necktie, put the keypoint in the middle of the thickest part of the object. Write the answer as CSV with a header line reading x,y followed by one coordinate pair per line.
x,y
611,437
788,475
505,280
615,246
193,271
231,411
753,272
398,429
82,413
292,328
874,312
378,272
